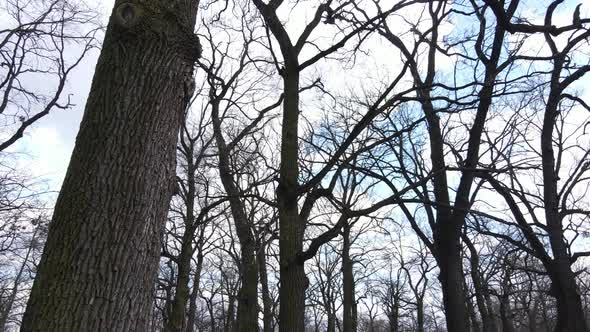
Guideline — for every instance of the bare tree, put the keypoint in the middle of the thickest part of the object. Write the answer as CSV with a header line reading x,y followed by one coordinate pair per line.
x,y
235,90
194,209
103,245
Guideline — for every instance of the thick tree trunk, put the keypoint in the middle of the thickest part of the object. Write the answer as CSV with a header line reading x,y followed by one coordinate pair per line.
x,y
452,283
291,225
101,257
570,315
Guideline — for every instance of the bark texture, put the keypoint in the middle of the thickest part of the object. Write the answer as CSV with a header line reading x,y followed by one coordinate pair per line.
x,y
101,257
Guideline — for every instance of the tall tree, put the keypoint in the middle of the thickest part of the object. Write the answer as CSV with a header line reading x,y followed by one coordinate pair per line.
x,y
447,212
101,257
232,95
559,198
196,209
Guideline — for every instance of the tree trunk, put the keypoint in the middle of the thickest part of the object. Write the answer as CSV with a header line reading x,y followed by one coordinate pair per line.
x,y
349,323
101,257
229,319
188,194
570,316
181,296
420,315
452,283
192,311
331,323
267,305
507,325
394,316
505,314
481,292
210,307
475,326
291,226
178,309
247,319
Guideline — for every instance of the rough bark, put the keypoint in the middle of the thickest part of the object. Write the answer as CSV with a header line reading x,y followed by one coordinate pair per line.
x,y
101,257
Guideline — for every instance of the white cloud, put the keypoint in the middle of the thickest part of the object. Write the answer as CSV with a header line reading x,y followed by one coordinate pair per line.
x,y
48,154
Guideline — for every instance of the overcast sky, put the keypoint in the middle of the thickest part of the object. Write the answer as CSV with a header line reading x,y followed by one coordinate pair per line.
x,y
49,144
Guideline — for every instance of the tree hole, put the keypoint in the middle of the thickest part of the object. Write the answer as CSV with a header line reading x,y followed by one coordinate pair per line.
x,y
128,14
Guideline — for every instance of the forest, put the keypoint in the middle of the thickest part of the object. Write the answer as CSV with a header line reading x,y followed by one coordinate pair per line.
x,y
296,166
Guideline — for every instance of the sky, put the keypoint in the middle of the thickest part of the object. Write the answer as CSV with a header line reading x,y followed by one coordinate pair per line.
x,y
47,147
